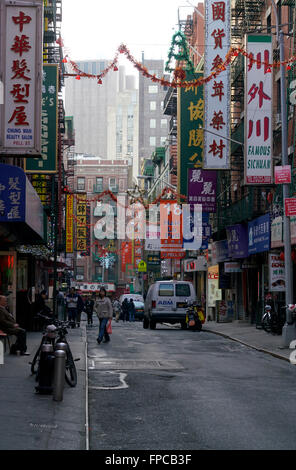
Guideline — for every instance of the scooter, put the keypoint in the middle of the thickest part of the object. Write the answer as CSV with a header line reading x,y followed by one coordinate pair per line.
x,y
194,316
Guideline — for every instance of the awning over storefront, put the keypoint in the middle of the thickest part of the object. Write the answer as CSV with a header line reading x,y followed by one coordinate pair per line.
x,y
21,211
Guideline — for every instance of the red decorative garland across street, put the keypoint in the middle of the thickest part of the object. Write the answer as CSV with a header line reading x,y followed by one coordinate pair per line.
x,y
176,83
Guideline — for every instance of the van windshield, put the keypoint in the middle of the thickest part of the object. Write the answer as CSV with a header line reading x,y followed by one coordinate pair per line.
x,y
183,290
166,290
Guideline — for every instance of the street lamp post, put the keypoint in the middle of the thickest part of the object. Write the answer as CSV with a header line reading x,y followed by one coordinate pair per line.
x,y
289,330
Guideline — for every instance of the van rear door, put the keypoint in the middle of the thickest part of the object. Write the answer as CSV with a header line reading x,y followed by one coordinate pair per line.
x,y
165,297
183,293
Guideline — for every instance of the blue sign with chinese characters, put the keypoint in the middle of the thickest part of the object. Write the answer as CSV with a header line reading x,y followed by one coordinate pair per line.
x,y
259,235
12,194
19,202
237,236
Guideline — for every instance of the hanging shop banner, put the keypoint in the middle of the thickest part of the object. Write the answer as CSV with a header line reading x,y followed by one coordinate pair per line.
x,y
152,242
137,252
21,73
232,267
81,229
220,251
217,91
69,223
196,265
277,280
87,251
213,291
47,163
171,226
290,206
277,232
237,236
282,174
258,111
190,130
126,255
202,187
259,235
43,187
153,262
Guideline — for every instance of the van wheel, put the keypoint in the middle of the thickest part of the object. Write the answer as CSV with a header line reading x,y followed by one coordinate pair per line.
x,y
146,323
152,325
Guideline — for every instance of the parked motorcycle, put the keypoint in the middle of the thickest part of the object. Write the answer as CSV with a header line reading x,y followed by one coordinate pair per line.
x,y
194,316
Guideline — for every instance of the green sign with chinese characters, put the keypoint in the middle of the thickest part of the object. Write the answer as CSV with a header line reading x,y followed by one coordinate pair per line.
x,y
47,163
190,131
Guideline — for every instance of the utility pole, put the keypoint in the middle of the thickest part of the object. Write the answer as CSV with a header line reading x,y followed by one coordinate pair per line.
x,y
289,330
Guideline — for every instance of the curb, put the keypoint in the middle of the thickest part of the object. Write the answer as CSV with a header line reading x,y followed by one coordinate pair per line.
x,y
278,356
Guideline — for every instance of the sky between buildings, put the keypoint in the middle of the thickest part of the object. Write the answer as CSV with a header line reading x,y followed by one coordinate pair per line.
x,y
93,29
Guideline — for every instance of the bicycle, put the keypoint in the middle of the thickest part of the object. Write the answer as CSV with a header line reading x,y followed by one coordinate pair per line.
x,y
55,332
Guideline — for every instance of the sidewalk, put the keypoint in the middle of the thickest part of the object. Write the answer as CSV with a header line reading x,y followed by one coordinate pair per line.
x,y
250,336
35,422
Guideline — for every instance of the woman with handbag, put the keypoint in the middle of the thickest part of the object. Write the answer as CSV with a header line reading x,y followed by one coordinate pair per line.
x,y
104,311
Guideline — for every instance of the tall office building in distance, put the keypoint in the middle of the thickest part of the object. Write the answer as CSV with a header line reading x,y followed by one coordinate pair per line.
x,y
153,124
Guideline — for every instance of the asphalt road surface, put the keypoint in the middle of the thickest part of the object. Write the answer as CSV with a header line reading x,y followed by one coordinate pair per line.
x,y
170,389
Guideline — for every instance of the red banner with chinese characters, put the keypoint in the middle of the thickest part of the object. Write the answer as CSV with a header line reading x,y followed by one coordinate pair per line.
x,y
171,234
126,255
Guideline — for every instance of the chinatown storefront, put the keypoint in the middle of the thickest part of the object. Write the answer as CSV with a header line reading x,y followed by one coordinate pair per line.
x,y
21,223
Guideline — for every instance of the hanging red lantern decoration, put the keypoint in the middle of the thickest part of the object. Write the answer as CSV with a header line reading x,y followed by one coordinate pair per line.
x,y
282,256
179,74
115,68
270,197
268,70
77,77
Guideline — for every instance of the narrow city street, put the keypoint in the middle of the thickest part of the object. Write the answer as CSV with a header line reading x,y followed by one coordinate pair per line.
x,y
174,390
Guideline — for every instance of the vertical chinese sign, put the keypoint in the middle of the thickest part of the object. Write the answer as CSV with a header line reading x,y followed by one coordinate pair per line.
x,y
190,124
69,223
217,90
47,163
126,255
81,233
171,233
258,111
21,67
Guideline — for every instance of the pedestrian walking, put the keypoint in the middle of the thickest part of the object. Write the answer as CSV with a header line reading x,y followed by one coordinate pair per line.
x,y
104,311
89,308
116,308
60,306
131,310
71,302
80,308
124,307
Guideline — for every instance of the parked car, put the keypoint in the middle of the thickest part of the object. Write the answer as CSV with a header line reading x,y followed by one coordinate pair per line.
x,y
166,302
135,297
139,306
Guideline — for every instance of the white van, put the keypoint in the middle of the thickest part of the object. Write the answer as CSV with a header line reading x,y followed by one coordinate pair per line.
x,y
166,302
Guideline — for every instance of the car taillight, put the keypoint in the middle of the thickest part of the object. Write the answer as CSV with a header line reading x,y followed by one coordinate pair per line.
x,y
153,303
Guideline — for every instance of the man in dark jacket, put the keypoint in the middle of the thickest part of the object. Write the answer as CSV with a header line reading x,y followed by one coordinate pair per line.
x,y
8,326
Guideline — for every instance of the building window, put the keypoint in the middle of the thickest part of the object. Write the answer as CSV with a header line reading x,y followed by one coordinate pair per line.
x,y
153,89
268,24
99,184
81,184
80,273
290,17
152,123
164,123
94,68
163,141
152,141
112,183
152,105
121,185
